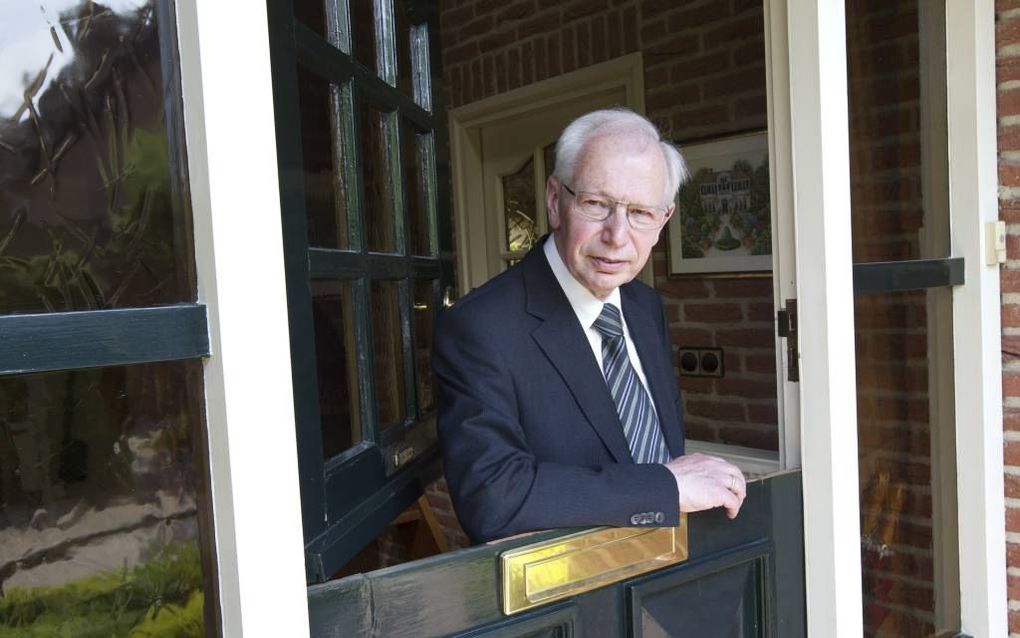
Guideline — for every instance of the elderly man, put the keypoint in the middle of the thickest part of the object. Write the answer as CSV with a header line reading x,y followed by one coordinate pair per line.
x,y
558,406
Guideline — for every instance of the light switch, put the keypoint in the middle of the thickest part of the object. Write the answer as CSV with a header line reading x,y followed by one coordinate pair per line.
x,y
995,243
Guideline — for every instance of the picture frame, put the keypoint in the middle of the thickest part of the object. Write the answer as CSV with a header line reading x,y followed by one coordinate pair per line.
x,y
723,223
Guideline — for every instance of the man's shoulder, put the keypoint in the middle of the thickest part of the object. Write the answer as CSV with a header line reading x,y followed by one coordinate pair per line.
x,y
497,300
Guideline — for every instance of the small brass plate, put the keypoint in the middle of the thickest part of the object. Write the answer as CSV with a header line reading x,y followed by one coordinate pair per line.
x,y
551,570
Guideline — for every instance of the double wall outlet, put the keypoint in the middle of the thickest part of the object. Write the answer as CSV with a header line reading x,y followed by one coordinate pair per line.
x,y
700,362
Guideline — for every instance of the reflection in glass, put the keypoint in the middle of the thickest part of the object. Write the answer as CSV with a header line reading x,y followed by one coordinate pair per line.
x,y
403,38
104,526
424,325
336,363
894,418
894,435
325,199
387,352
413,154
378,206
519,212
92,184
885,147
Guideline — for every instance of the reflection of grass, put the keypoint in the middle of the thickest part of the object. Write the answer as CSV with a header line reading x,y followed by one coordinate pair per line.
x,y
162,597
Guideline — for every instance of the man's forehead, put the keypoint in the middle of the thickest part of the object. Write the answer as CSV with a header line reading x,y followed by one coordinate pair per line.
x,y
605,154
631,142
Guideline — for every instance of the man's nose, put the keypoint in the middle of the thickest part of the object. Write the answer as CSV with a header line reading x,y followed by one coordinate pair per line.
x,y
616,227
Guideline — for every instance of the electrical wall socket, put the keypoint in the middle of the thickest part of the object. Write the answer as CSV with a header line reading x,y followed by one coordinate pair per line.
x,y
700,362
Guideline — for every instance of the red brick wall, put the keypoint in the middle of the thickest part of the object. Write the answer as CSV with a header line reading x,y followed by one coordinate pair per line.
x,y
1008,82
704,78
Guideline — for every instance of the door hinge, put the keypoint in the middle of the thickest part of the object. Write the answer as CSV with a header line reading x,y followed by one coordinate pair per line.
x,y
786,322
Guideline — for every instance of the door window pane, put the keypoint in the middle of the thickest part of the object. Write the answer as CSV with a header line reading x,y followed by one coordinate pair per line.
x,y
378,209
519,213
322,156
415,155
336,364
424,325
387,352
895,464
403,38
104,525
92,180
421,69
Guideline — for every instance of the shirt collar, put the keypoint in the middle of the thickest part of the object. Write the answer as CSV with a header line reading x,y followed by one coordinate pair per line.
x,y
586,306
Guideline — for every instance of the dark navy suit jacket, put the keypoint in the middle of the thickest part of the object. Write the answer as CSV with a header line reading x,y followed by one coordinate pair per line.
x,y
529,432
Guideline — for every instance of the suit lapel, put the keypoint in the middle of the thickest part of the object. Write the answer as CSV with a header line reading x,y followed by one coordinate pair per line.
x,y
563,341
644,333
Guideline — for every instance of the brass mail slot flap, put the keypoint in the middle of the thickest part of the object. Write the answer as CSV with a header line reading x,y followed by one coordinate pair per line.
x,y
550,570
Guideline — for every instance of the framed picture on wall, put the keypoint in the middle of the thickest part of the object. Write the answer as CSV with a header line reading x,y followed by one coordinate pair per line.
x,y
723,222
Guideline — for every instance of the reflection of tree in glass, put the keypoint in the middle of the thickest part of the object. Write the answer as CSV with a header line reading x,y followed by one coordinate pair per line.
x,y
87,176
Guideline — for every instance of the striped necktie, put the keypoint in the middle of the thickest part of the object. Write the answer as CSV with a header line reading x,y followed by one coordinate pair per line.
x,y
640,425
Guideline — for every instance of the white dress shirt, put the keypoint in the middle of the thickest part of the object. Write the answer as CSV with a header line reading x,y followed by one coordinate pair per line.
x,y
588,307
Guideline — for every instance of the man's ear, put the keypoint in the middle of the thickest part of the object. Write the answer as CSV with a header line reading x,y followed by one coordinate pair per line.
x,y
669,211
669,215
552,202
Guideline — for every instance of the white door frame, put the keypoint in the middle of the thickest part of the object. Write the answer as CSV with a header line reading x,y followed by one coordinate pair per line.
x,y
820,159
231,137
973,193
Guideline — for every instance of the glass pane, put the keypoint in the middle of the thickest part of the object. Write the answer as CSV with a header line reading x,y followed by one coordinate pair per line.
x,y
899,419
325,198
92,182
424,325
387,351
885,133
104,507
413,154
894,434
403,37
378,206
362,20
519,213
421,67
336,362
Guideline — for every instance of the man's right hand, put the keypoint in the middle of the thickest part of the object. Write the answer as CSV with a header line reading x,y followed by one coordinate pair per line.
x,y
706,481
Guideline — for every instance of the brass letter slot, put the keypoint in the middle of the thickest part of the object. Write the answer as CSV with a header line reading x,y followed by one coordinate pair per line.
x,y
551,570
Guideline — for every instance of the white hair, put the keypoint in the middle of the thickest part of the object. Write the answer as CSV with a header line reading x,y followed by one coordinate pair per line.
x,y
614,121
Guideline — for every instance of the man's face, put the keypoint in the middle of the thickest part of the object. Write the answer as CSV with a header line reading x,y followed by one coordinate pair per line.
x,y
605,255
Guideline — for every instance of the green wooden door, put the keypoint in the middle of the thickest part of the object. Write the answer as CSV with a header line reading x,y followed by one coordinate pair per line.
x,y
743,578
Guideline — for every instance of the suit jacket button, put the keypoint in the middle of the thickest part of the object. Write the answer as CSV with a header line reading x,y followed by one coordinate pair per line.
x,y
635,520
659,517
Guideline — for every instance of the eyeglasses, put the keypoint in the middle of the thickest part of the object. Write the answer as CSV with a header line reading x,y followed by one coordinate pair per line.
x,y
598,208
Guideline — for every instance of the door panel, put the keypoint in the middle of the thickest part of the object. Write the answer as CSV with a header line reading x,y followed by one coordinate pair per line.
x,y
728,586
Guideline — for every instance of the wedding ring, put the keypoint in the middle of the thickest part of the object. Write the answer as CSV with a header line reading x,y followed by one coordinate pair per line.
x,y
733,483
